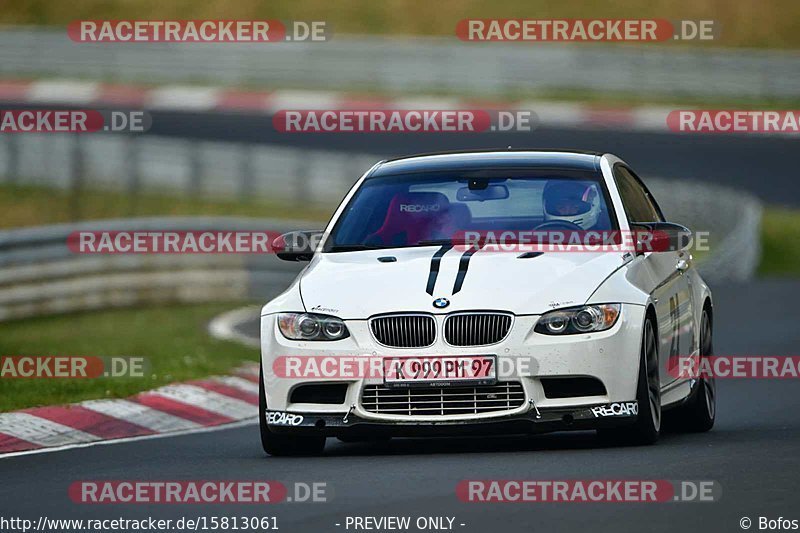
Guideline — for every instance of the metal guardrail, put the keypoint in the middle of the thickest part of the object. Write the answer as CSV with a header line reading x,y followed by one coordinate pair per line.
x,y
132,164
40,275
411,64
299,176
731,217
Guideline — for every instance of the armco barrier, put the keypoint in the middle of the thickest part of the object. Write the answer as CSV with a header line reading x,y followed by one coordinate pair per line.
x,y
40,275
166,164
301,176
295,176
731,217
411,65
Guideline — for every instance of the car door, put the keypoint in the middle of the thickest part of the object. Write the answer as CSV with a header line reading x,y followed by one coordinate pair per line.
x,y
664,271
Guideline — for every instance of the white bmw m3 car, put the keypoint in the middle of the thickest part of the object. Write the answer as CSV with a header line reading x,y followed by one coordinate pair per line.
x,y
480,293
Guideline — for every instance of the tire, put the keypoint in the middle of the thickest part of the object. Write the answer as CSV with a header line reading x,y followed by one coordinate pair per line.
x,y
283,445
699,412
647,427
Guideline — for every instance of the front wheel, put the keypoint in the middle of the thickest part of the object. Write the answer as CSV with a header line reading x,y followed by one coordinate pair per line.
x,y
278,444
647,428
699,412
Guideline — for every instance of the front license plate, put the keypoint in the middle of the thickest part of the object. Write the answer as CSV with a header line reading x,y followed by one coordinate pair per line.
x,y
440,371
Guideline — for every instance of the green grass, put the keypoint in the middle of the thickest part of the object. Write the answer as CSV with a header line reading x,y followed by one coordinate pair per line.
x,y
34,205
172,339
611,99
677,101
743,23
780,240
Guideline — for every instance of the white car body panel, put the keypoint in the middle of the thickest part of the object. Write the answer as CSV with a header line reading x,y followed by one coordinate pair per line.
x,y
331,278
612,356
355,286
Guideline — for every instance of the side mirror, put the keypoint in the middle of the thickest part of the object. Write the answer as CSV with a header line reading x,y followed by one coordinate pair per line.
x,y
660,237
297,245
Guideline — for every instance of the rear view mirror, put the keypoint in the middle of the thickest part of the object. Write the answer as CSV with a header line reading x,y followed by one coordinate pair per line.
x,y
297,245
661,237
491,192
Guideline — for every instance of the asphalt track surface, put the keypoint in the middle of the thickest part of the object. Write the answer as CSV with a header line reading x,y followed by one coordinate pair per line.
x,y
752,453
762,165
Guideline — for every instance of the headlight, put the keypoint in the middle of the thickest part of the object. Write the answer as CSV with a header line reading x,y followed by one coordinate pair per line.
x,y
311,327
586,319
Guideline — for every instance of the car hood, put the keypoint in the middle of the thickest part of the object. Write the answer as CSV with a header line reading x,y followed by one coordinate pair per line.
x,y
357,285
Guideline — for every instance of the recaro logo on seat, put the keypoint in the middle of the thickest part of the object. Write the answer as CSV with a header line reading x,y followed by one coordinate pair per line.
x,y
417,208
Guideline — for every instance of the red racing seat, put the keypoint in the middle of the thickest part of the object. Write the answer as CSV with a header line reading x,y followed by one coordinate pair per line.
x,y
413,217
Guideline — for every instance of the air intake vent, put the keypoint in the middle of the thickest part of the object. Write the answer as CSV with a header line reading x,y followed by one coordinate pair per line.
x,y
572,387
404,331
476,329
440,401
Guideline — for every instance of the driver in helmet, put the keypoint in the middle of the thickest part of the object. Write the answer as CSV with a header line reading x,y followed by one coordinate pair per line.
x,y
571,202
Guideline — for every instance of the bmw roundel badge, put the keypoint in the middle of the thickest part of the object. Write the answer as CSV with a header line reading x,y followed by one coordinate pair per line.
x,y
441,303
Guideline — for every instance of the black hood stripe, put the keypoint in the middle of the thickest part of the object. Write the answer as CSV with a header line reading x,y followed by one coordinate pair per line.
x,y
436,260
529,255
463,265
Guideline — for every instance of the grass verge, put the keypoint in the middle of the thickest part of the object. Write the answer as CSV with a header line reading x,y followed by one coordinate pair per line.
x,y
25,205
780,241
173,340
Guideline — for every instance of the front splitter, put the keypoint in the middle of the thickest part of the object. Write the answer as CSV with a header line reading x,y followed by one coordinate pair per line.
x,y
531,421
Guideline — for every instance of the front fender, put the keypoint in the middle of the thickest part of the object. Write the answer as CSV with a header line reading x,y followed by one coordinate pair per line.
x,y
618,288
288,300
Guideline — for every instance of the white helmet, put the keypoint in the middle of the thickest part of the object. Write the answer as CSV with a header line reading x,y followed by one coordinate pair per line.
x,y
571,201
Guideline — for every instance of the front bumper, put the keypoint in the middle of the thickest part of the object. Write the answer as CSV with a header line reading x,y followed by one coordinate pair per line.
x,y
530,422
611,357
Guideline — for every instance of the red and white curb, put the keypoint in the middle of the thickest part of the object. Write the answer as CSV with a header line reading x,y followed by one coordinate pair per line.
x,y
191,98
177,408
224,326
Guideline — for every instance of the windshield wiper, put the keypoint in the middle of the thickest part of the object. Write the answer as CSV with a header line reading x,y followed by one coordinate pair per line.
x,y
451,242
352,247
361,247
437,242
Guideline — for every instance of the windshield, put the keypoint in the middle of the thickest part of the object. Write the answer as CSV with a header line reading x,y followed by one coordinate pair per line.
x,y
425,209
